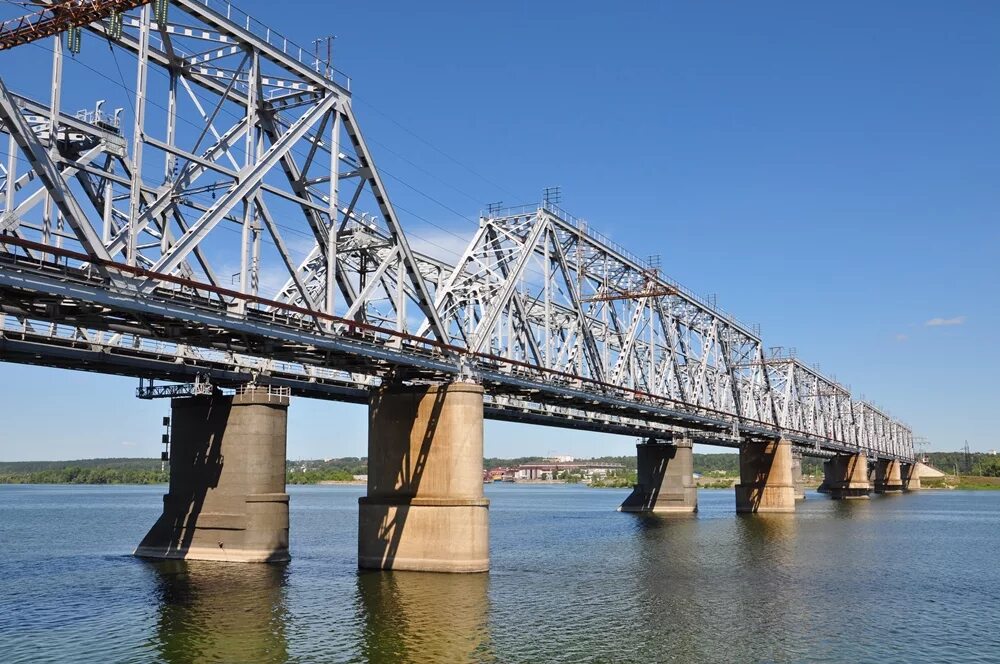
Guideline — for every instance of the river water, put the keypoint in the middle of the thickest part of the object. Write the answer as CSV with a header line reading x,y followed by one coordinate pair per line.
x,y
904,578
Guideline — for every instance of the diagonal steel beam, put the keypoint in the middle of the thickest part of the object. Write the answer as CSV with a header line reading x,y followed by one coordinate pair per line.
x,y
247,182
424,301
41,161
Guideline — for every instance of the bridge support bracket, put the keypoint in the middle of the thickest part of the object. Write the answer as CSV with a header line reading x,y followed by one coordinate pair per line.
x,y
665,479
845,477
765,478
888,476
797,481
227,499
910,473
425,508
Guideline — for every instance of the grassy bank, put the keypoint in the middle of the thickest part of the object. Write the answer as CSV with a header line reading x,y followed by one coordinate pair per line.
x,y
966,482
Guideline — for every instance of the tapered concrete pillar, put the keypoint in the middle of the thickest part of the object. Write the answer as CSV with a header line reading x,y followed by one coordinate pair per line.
x,y
888,478
846,476
910,474
425,508
797,482
665,479
765,477
227,499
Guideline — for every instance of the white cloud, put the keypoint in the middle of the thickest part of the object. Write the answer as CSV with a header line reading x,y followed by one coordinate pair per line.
x,y
941,322
901,338
444,245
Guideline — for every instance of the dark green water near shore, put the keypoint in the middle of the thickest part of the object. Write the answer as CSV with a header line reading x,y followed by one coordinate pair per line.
x,y
905,578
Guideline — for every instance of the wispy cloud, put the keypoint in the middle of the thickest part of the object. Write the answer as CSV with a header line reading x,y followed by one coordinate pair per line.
x,y
901,338
941,322
441,244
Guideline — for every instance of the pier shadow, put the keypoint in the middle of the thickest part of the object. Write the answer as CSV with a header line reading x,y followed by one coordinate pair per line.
x,y
198,425
425,617
395,485
219,612
651,471
755,469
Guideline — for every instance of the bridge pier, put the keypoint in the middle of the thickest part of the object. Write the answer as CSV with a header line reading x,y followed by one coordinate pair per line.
x,y
846,476
765,478
797,481
425,508
226,500
888,478
665,479
911,476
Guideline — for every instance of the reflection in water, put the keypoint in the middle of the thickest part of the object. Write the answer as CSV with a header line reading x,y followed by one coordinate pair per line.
x,y
221,612
697,576
425,617
669,584
769,596
768,536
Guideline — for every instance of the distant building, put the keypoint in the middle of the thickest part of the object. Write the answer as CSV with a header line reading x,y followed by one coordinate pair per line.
x,y
552,469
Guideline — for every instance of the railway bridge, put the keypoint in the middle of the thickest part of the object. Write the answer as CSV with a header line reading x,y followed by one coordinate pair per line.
x,y
216,227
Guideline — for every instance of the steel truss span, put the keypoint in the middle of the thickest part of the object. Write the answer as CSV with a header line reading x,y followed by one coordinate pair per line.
x,y
231,225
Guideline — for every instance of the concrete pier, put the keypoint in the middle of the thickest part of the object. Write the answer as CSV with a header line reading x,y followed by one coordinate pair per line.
x,y
797,482
910,474
888,478
425,509
665,479
846,476
765,478
226,500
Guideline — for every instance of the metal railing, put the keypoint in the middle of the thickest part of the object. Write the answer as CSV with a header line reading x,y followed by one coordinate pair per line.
x,y
278,41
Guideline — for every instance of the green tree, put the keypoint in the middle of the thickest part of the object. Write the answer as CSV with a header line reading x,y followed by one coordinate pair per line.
x,y
988,467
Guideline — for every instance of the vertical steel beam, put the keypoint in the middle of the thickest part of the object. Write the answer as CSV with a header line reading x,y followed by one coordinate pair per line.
x,y
138,135
331,244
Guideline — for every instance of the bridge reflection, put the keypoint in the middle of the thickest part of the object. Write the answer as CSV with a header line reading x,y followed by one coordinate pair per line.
x,y
689,595
425,617
221,612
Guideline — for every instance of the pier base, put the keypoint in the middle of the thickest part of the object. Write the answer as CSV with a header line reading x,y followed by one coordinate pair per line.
x,y
765,478
226,500
797,482
665,479
846,477
888,478
911,476
425,508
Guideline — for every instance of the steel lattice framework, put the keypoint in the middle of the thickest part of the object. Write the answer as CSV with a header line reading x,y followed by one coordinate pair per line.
x,y
236,228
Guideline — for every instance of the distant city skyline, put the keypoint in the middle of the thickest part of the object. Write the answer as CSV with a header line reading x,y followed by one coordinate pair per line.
x,y
829,171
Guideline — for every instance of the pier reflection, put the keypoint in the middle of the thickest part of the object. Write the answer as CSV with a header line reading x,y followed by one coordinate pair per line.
x,y
220,612
770,596
425,617
689,593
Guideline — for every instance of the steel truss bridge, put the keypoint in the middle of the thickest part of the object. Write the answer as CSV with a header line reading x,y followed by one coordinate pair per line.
x,y
230,225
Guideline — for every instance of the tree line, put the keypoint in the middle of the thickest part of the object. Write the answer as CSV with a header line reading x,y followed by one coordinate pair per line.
x,y
147,471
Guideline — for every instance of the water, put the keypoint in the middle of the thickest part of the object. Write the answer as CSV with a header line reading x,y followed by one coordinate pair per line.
x,y
906,578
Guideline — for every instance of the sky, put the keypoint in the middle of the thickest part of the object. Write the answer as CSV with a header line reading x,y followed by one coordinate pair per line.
x,y
828,170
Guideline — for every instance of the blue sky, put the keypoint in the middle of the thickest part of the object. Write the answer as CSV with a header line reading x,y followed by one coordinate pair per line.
x,y
829,170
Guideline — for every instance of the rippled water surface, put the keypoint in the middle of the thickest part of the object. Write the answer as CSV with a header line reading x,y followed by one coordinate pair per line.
x,y
902,578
